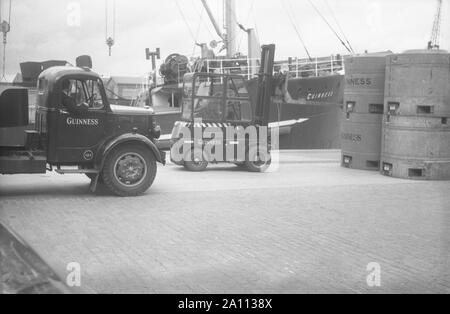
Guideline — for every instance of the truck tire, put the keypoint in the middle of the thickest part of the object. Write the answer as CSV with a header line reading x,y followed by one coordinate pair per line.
x,y
256,162
195,163
129,170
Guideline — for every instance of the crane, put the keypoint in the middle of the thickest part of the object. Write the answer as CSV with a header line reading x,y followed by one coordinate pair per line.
x,y
434,41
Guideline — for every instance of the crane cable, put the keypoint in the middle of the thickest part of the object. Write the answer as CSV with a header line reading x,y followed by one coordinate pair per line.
x,y
110,40
201,18
331,27
5,28
296,29
185,20
294,18
339,25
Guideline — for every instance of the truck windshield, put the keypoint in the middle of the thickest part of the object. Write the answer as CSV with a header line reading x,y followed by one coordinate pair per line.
x,y
75,92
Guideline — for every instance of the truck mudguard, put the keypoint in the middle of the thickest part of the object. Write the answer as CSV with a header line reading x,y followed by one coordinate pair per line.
x,y
128,138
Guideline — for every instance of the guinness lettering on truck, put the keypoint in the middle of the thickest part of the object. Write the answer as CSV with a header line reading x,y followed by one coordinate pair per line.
x,y
76,126
84,122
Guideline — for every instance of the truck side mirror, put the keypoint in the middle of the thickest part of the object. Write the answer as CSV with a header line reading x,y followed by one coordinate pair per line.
x,y
84,62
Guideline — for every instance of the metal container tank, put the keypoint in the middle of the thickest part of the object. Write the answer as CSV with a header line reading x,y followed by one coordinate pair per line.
x,y
363,111
416,126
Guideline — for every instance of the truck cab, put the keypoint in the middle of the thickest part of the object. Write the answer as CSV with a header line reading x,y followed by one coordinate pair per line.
x,y
78,131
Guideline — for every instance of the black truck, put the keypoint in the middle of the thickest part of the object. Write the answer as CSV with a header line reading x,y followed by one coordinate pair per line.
x,y
78,131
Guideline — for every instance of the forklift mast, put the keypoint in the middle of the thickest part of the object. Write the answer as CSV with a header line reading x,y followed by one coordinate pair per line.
x,y
266,87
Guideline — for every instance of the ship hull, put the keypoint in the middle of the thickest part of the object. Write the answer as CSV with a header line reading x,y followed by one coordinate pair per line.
x,y
320,131
322,98
319,115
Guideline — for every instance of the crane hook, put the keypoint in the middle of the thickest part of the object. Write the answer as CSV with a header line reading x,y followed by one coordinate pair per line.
x,y
110,43
5,28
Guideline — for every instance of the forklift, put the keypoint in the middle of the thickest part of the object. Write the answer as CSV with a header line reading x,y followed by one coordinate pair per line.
x,y
77,131
220,102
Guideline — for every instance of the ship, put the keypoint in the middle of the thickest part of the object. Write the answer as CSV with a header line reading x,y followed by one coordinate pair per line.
x,y
317,81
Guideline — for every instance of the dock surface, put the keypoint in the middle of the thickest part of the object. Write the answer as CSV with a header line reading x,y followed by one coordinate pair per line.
x,y
310,227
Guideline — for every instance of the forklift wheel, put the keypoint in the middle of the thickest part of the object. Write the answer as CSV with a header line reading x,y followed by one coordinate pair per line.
x,y
129,170
256,162
197,163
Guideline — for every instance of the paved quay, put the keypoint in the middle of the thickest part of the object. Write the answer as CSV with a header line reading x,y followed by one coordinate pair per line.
x,y
309,227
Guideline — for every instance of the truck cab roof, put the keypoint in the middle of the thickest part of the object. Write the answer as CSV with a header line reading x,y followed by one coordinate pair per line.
x,y
54,74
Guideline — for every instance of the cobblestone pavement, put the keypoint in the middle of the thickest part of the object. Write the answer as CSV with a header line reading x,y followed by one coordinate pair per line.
x,y
311,227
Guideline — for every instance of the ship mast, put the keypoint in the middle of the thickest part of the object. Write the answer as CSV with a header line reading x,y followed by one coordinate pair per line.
x,y
229,36
231,27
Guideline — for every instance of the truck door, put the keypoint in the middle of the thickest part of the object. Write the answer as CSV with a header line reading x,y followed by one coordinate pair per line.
x,y
80,132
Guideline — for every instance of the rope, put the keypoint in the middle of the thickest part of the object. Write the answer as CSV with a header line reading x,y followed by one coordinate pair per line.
x,y
113,18
338,25
106,18
110,40
201,18
296,29
185,20
329,25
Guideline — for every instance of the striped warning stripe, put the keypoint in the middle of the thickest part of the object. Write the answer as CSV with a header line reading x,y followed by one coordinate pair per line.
x,y
206,125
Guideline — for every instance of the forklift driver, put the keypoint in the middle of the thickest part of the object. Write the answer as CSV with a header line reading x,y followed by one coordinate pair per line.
x,y
68,99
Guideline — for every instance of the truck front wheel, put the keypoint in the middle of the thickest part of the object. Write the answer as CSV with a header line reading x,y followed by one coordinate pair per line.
x,y
129,170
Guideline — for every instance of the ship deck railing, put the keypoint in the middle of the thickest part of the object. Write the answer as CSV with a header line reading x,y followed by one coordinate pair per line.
x,y
296,67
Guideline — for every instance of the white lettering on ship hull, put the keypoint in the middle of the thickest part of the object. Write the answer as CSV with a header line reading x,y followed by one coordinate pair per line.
x,y
313,96
82,122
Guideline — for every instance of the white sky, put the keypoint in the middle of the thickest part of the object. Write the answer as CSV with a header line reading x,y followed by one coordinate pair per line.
x,y
40,28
